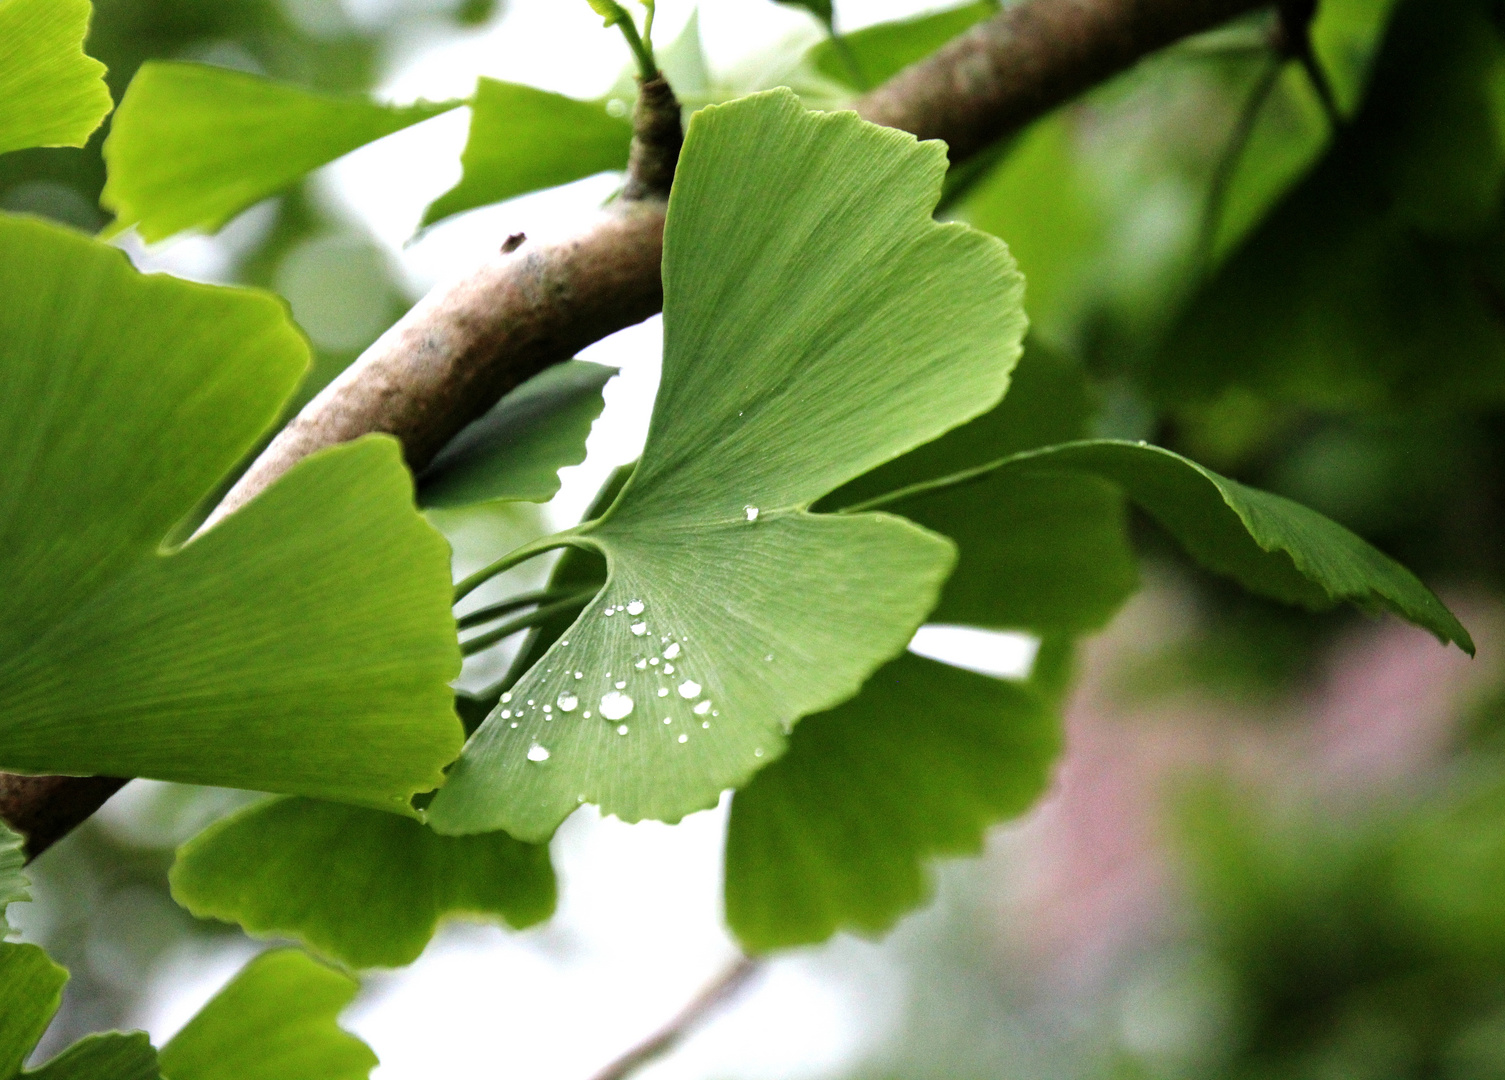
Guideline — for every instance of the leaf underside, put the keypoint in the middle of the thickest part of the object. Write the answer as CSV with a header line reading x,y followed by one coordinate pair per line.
x,y
359,886
803,279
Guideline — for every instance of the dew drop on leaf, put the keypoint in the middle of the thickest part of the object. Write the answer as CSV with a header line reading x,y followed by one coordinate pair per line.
x,y
672,651
684,738
538,753
567,701
639,628
663,691
751,512
635,608
703,707
689,688
668,669
621,684
623,729
616,705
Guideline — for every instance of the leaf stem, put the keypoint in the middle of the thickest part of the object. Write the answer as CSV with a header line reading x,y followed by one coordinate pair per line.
x,y
472,619
641,44
513,558
1233,152
471,646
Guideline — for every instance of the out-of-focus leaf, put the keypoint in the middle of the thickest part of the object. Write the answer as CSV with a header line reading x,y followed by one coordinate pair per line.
x,y
192,146
359,886
1377,280
13,880
1043,553
836,834
516,450
304,645
51,92
821,9
276,1020
803,275
1269,544
523,139
883,50
31,989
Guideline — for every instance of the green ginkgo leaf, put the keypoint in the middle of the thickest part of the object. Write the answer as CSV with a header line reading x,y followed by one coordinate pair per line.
x,y
836,834
523,139
276,1020
803,280
51,93
31,989
193,145
304,645
1269,544
516,450
359,886
13,881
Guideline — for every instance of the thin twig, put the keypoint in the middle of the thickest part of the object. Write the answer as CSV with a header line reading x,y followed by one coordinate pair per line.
x,y
712,997
1233,152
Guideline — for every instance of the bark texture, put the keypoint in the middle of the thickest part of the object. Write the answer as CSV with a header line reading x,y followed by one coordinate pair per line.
x,y
535,304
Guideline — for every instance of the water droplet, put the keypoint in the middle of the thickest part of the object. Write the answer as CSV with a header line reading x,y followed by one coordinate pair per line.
x,y
530,701
639,628
615,705
538,753
506,714
684,738
654,661
567,701
751,512
609,612
562,645
548,708
621,684
641,665
579,674
689,688
586,714
668,669
703,707
769,657
706,724
758,752
513,724
623,729
635,608
663,691
506,697
672,651
616,107
668,719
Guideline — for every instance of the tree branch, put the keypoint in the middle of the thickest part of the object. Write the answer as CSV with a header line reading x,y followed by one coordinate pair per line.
x,y
532,305
712,997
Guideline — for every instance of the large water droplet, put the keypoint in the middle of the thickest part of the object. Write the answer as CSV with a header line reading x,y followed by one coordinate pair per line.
x,y
751,512
635,608
538,753
506,697
689,688
639,628
615,705
567,701
672,651
506,714
668,669
703,707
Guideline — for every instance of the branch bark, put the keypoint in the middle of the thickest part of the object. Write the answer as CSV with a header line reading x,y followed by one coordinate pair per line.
x,y
532,305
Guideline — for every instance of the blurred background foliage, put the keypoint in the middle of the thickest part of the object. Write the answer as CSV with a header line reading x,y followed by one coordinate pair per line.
x,y
1278,249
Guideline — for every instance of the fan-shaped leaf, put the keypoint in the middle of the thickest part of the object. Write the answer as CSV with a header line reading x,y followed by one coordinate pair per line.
x,y
192,145
804,278
304,645
523,139
359,886
51,93
276,1020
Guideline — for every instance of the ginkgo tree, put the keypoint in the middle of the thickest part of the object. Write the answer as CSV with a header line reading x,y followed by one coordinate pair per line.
x,y
853,436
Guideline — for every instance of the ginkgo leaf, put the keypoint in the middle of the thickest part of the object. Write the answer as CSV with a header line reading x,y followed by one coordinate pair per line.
x,y
884,49
516,450
51,92
836,834
192,146
803,279
304,645
13,881
276,1020
359,886
31,989
1269,544
1049,554
523,139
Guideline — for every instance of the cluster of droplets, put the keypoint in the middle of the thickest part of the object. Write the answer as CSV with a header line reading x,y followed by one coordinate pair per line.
x,y
616,704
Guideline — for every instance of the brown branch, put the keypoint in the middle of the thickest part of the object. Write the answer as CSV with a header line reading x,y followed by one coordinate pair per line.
x,y
532,305
44,809
712,997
